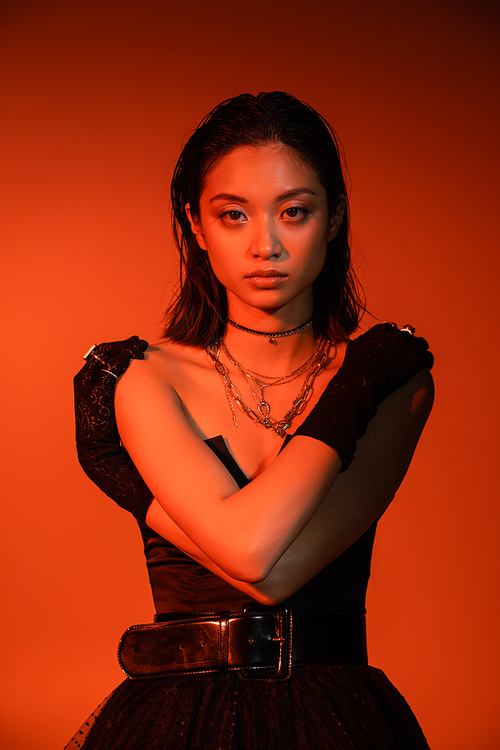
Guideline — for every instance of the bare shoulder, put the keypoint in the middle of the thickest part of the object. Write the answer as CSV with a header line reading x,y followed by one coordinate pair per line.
x,y
159,387
384,453
401,418
147,393
166,362
416,397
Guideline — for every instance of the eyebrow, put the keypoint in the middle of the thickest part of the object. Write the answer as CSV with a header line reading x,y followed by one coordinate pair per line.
x,y
278,199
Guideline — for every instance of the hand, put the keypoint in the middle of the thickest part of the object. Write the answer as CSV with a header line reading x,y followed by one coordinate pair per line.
x,y
387,357
100,452
375,365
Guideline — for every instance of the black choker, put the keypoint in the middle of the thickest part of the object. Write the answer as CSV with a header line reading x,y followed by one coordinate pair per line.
x,y
270,336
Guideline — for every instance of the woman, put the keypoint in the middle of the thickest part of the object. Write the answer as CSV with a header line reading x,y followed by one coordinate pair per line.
x,y
242,424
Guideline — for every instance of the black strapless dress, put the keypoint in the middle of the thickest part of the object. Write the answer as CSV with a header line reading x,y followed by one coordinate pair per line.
x,y
318,708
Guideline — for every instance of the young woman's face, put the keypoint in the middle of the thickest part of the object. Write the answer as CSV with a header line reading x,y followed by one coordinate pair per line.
x,y
264,222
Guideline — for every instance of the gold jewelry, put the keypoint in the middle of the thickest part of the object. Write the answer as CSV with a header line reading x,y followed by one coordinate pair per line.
x,y
312,368
276,380
263,406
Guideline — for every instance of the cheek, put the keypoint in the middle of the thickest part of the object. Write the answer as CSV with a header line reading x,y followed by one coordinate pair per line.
x,y
315,265
226,251
221,263
313,252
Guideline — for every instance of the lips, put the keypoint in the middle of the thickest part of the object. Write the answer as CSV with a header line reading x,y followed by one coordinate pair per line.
x,y
266,279
265,274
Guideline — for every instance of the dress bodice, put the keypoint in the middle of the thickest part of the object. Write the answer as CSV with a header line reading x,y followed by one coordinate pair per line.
x,y
180,584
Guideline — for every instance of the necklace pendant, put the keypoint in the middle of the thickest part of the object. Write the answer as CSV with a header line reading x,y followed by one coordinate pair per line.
x,y
311,368
270,336
263,408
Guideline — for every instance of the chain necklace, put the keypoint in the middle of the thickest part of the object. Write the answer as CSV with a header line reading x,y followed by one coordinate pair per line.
x,y
262,416
275,380
263,406
271,336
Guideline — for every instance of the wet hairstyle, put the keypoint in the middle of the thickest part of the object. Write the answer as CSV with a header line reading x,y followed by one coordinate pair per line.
x,y
197,315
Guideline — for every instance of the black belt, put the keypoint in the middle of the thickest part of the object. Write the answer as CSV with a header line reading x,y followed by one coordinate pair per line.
x,y
259,644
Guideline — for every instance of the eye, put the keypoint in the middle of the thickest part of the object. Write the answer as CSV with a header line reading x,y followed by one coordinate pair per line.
x,y
233,217
295,213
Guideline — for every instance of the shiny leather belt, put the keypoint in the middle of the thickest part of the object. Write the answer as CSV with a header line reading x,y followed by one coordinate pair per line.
x,y
257,643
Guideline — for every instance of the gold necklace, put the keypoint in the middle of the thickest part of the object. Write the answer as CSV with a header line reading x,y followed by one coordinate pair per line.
x,y
257,377
263,405
262,416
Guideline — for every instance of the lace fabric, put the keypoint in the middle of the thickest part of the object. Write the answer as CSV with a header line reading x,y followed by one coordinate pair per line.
x,y
101,455
79,738
320,708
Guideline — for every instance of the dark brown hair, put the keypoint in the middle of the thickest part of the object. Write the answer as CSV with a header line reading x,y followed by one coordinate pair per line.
x,y
197,315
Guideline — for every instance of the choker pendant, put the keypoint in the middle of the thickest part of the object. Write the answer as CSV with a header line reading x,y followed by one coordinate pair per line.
x,y
270,336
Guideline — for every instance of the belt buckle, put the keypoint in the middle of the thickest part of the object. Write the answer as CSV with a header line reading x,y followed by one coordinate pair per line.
x,y
283,638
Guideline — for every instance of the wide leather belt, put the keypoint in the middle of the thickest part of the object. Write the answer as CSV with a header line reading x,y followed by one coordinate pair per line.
x,y
259,644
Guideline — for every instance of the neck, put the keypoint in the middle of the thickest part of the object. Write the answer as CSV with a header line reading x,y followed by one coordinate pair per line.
x,y
280,353
270,336
276,354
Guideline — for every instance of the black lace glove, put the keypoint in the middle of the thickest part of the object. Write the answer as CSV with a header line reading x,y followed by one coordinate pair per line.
x,y
375,365
100,452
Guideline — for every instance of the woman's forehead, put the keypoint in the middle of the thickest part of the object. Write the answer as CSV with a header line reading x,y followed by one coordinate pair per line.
x,y
271,169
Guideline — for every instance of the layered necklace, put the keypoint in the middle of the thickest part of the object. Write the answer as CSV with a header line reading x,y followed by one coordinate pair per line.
x,y
258,382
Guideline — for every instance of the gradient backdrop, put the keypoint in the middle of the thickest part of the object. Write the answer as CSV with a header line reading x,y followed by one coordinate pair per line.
x,y
97,96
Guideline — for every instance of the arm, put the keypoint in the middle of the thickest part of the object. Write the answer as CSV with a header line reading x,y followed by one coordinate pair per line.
x,y
244,532
375,365
355,500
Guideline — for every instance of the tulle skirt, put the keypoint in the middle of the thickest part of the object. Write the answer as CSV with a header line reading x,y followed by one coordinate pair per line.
x,y
339,708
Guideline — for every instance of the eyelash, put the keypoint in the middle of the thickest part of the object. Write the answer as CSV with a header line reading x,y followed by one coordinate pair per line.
x,y
304,212
228,213
302,209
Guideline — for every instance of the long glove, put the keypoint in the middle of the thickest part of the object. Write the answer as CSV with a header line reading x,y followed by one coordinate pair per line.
x,y
375,365
100,452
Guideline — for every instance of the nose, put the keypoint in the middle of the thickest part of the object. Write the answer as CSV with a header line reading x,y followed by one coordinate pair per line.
x,y
265,241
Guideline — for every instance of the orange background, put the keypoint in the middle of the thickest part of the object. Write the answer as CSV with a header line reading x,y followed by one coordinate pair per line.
x,y
96,98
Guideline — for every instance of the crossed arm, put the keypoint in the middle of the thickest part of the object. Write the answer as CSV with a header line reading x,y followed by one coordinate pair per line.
x,y
271,537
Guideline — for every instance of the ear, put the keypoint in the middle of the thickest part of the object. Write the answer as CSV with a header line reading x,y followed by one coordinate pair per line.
x,y
195,226
337,218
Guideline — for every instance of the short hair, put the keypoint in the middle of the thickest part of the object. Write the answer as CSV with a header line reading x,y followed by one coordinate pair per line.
x,y
197,316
